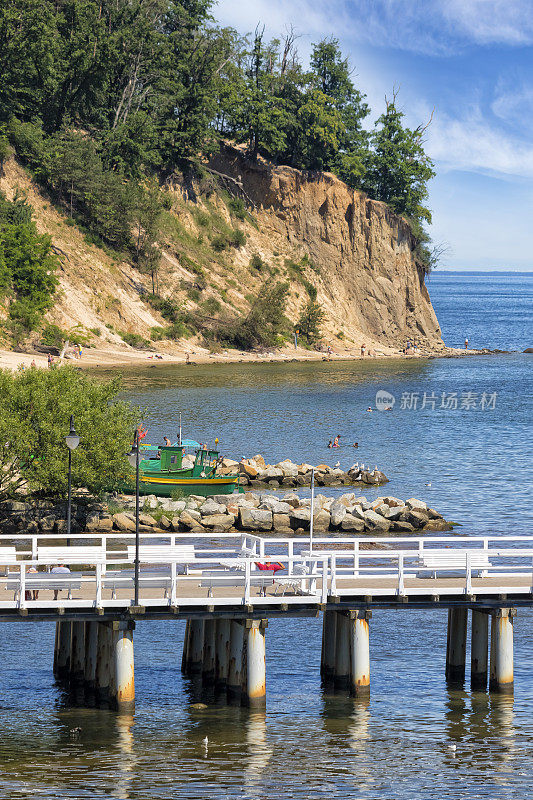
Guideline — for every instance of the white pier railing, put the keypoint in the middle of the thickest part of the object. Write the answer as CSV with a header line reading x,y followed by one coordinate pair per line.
x,y
228,569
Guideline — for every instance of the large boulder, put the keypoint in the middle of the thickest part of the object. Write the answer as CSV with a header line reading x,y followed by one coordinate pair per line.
x,y
250,470
176,506
210,507
218,522
437,525
275,505
292,499
190,520
230,463
405,527
416,505
304,469
398,512
352,524
416,518
375,522
151,502
321,520
124,522
260,461
271,474
148,520
281,523
255,519
338,512
393,502
288,469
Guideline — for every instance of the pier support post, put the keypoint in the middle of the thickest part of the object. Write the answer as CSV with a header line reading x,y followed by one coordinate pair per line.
x,y
479,651
196,647
122,685
208,669
77,660
235,664
501,651
456,648
255,685
342,652
103,665
360,652
64,630
222,653
91,656
327,667
186,645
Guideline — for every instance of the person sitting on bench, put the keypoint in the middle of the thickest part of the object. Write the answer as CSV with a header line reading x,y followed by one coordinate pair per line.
x,y
59,569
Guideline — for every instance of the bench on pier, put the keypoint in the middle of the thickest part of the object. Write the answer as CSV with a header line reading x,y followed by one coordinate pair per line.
x,y
45,581
8,555
72,554
239,560
453,560
125,579
164,554
228,579
298,581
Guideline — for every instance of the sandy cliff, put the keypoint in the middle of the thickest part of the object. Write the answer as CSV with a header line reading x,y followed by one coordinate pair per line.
x,y
356,252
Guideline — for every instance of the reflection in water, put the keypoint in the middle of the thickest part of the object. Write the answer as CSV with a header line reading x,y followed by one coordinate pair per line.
x,y
127,761
259,751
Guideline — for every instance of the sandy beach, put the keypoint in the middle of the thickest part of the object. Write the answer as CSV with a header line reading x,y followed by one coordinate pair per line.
x,y
129,357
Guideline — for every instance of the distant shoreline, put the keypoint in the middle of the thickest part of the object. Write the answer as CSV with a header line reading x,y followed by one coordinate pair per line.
x,y
95,358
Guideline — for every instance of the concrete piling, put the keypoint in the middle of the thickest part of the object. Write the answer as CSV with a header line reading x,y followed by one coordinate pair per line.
x,y
479,651
77,661
254,693
103,665
360,652
327,667
342,653
186,647
208,667
222,645
91,656
64,630
235,663
501,651
195,648
456,647
122,685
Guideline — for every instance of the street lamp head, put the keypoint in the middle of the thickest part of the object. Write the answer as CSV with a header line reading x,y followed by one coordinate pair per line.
x,y
72,440
133,455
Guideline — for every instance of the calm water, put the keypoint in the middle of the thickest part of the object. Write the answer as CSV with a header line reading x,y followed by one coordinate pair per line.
x,y
311,745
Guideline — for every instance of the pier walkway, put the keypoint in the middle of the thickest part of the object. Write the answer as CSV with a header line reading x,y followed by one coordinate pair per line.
x,y
222,585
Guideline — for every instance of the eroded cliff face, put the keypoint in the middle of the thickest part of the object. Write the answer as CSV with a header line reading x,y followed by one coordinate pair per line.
x,y
370,283
366,276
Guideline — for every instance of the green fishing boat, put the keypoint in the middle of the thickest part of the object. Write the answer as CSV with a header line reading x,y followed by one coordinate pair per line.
x,y
161,471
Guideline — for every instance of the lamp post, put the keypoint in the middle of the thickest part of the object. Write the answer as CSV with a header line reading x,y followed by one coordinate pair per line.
x,y
72,441
133,458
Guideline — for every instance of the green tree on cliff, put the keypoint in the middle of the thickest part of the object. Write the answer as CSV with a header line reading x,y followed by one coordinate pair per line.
x,y
399,169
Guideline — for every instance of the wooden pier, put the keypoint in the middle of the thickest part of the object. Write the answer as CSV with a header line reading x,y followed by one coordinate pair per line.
x,y
220,585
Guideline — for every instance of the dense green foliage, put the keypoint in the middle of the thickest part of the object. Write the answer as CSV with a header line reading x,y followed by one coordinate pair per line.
x,y
27,267
127,87
34,420
104,99
266,323
310,321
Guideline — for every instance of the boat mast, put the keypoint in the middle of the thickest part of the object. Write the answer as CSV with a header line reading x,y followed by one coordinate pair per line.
x,y
179,439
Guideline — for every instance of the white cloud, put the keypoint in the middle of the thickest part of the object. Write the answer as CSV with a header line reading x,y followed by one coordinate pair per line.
x,y
471,144
437,27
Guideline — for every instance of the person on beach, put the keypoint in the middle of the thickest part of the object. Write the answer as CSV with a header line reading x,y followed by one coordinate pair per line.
x,y
466,344
33,365
363,350
166,441
31,595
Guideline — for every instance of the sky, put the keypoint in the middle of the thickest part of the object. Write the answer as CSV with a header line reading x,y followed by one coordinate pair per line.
x,y
470,62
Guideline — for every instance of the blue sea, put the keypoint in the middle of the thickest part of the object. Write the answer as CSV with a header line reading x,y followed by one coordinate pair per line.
x,y
459,436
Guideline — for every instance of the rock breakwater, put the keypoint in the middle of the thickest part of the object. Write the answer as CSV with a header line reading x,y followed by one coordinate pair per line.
x,y
257,474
